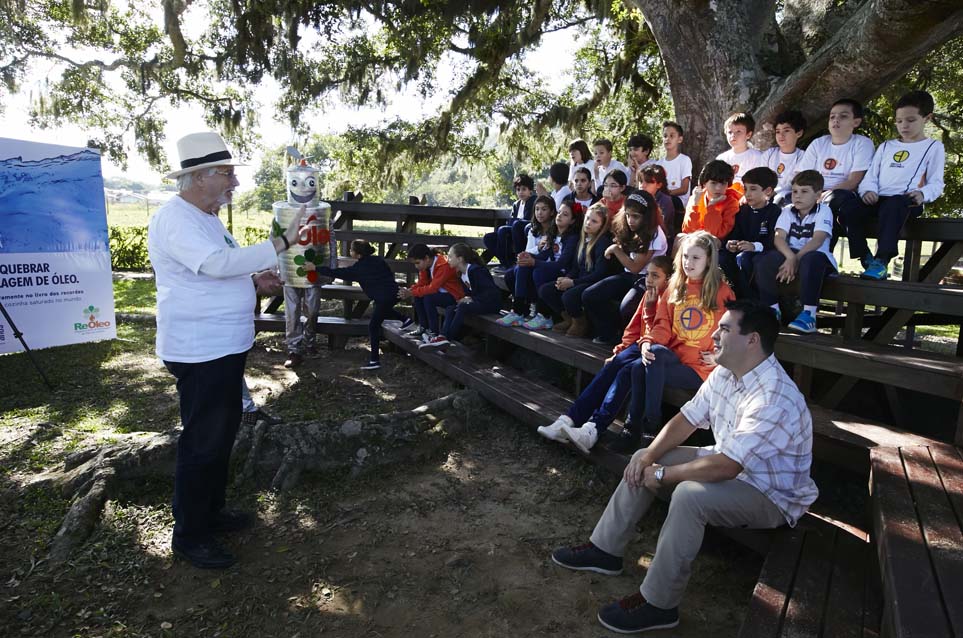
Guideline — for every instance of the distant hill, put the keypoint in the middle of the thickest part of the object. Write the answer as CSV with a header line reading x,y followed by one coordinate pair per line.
x,y
123,183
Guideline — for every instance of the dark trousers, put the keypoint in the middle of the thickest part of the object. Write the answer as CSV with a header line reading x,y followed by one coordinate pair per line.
x,y
524,281
739,269
569,301
455,315
649,382
843,203
506,241
892,211
426,309
382,310
813,268
210,403
602,301
602,399
632,299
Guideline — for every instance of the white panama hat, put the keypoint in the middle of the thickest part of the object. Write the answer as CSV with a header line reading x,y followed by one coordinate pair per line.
x,y
202,150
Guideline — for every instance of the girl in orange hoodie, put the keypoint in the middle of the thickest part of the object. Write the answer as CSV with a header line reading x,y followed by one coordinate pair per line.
x,y
677,350
599,403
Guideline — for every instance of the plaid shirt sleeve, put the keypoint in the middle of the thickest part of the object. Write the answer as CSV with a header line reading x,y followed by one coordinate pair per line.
x,y
697,410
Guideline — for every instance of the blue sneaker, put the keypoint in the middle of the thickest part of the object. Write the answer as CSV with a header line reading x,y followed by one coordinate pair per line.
x,y
876,270
633,615
511,319
804,323
538,322
587,558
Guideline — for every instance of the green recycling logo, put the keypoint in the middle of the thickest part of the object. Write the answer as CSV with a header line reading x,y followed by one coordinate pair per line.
x,y
91,313
312,256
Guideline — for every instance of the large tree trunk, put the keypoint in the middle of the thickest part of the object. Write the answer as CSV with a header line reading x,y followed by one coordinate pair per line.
x,y
723,56
282,452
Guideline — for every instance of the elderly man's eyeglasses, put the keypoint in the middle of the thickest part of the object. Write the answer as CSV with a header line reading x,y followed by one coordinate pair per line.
x,y
228,174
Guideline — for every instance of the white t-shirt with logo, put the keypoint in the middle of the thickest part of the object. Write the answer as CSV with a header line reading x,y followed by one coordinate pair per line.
x,y
200,317
676,172
836,161
800,231
659,246
902,167
785,166
742,162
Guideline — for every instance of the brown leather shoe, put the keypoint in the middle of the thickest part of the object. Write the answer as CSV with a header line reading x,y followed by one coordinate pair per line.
x,y
564,324
579,327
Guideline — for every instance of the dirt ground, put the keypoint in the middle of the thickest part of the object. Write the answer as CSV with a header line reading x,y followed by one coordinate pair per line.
x,y
455,546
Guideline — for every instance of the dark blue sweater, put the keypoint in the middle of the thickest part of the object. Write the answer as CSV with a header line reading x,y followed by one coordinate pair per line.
x,y
375,276
580,272
482,289
756,225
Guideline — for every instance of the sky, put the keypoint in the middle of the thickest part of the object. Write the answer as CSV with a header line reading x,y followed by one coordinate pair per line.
x,y
14,120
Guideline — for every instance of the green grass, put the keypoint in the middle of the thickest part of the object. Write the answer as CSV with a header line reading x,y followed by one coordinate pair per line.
x,y
135,296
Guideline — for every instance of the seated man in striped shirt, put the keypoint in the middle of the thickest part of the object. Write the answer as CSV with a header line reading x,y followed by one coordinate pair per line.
x,y
756,475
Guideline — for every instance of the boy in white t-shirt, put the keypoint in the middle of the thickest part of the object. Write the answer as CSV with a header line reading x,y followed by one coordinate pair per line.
x,y
741,156
640,156
842,158
677,165
604,162
802,239
558,176
784,157
905,174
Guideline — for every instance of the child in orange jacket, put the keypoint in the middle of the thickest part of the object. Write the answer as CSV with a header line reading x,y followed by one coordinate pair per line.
x,y
714,204
599,403
439,286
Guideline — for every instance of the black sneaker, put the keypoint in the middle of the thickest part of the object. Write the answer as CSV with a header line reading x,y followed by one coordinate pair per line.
x,y
203,555
633,615
371,365
406,323
587,558
228,520
625,442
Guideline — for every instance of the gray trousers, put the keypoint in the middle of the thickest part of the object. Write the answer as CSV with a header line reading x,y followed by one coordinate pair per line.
x,y
297,301
247,403
692,506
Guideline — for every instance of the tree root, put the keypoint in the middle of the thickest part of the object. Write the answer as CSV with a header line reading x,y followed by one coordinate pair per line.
x,y
283,452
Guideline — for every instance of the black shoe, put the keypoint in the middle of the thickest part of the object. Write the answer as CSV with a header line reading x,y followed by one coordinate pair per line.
x,y
588,558
625,442
204,555
371,365
406,323
264,415
294,360
633,615
231,521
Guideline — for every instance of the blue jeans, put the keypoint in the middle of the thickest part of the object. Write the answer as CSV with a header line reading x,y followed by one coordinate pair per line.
x,y
210,404
739,269
426,309
602,399
813,269
455,315
649,382
844,205
892,211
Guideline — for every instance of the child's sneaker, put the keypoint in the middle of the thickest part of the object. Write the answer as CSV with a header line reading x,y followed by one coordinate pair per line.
x,y
538,322
435,342
584,437
416,332
555,431
511,319
427,336
371,365
406,323
876,270
804,323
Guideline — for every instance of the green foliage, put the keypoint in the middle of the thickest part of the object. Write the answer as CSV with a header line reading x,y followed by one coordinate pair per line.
x,y
128,248
254,235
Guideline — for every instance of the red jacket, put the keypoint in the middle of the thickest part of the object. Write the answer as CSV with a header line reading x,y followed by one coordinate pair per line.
x,y
444,277
718,220
641,322
687,329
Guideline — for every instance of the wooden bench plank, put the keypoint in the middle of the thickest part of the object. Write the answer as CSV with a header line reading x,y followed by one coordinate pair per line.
x,y
931,297
488,217
941,530
325,325
846,597
807,604
408,238
910,592
770,598
402,266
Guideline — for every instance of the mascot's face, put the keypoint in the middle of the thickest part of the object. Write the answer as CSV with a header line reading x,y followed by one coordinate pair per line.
x,y
302,186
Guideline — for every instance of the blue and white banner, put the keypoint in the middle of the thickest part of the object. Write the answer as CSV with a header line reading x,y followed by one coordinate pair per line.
x,y
55,278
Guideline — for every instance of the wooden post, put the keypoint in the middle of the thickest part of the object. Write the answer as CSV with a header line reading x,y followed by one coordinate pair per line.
x,y
853,324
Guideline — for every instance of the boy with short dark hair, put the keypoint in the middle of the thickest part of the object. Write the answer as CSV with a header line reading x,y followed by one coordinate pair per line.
x,y
714,204
802,239
438,286
604,162
905,174
640,151
842,157
677,165
753,232
558,175
504,241
785,155
739,128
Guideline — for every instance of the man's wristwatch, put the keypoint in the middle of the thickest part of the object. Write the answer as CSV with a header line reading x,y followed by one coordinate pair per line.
x,y
659,473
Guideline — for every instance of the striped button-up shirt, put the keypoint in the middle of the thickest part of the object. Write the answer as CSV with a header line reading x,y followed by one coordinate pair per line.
x,y
762,422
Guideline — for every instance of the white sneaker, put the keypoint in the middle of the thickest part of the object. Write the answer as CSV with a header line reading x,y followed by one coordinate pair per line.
x,y
584,437
554,432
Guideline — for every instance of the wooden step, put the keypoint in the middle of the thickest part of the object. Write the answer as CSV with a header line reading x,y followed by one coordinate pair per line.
x,y
407,238
926,372
934,298
325,325
917,497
